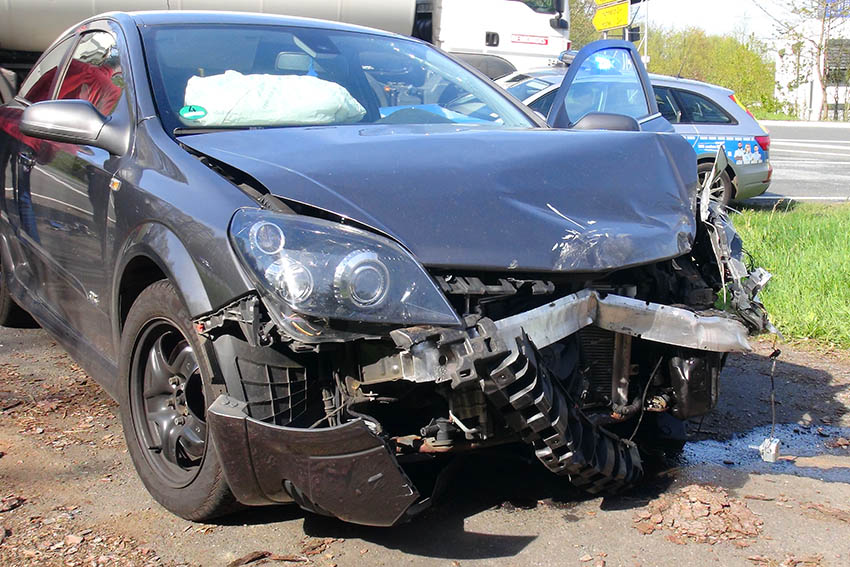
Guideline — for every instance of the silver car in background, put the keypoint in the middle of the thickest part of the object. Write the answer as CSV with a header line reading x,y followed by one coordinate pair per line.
x,y
708,116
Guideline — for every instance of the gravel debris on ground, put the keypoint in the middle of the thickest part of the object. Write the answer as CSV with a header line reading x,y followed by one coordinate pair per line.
x,y
699,513
789,561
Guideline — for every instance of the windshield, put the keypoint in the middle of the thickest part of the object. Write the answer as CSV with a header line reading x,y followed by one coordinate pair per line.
x,y
545,6
271,76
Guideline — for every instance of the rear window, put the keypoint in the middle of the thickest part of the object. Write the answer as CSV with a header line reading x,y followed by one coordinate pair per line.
x,y
698,109
273,76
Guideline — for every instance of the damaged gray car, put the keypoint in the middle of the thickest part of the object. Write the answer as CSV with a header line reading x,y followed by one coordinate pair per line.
x,y
304,255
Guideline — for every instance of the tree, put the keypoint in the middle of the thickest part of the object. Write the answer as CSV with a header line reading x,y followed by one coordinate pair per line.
x,y
812,24
739,63
582,31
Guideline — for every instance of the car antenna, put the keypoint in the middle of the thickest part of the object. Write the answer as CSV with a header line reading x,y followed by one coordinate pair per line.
x,y
684,60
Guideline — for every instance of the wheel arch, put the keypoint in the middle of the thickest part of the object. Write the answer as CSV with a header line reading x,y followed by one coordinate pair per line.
x,y
151,253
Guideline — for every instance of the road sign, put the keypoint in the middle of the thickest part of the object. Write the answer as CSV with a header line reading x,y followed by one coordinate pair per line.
x,y
611,17
603,2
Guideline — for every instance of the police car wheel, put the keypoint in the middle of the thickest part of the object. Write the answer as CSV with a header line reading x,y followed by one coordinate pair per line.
x,y
722,188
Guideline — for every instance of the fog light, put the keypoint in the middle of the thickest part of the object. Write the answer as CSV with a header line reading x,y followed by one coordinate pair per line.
x,y
362,278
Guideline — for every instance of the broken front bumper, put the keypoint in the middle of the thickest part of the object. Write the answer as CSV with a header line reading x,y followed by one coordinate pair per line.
x,y
345,471
351,473
625,315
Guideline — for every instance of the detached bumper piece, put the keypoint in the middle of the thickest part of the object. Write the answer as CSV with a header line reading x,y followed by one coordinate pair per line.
x,y
344,471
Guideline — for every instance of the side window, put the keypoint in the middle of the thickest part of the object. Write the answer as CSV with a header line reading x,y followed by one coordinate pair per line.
x,y
700,110
36,87
667,105
544,103
94,73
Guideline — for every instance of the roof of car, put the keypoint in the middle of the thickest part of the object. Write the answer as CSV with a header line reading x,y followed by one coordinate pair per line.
x,y
689,82
165,17
555,74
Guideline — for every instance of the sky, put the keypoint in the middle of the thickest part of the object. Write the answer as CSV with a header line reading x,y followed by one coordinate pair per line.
x,y
714,16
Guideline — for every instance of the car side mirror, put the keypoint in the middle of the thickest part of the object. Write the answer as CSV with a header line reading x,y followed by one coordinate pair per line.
x,y
74,122
607,121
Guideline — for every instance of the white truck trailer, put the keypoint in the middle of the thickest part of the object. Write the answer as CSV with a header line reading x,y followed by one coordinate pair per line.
x,y
496,36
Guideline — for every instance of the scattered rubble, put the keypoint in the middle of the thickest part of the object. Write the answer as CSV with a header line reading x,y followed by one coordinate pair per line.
x,y
57,540
309,547
249,558
838,443
823,509
314,546
703,514
11,502
789,561
762,497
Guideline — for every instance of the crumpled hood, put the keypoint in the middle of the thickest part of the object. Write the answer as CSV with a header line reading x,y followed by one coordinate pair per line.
x,y
485,199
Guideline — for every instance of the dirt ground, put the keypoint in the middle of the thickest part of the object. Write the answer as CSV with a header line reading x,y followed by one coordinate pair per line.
x,y
70,495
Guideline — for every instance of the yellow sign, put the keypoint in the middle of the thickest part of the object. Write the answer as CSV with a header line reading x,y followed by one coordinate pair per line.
x,y
611,17
603,2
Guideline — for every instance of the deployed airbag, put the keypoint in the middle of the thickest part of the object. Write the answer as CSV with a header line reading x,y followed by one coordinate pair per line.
x,y
234,99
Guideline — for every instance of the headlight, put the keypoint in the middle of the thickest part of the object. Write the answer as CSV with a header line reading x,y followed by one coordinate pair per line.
x,y
328,270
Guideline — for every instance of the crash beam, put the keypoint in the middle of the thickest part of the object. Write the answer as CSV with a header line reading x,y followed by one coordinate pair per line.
x,y
561,318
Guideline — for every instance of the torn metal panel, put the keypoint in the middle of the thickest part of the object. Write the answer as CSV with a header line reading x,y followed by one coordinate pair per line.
x,y
739,286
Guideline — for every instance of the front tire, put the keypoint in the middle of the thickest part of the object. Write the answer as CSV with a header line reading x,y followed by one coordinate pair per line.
x,y
164,396
722,188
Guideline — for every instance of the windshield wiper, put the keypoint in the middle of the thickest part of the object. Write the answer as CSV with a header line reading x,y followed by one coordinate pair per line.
x,y
185,131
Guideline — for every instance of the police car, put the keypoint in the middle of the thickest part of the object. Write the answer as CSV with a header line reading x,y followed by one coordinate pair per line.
x,y
708,116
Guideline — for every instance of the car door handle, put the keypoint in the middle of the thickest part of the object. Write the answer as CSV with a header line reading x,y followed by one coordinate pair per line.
x,y
26,160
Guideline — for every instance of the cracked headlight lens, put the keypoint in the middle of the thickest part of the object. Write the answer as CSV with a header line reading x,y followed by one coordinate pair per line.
x,y
327,270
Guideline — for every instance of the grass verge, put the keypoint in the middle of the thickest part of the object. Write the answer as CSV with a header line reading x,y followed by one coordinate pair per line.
x,y
764,115
807,248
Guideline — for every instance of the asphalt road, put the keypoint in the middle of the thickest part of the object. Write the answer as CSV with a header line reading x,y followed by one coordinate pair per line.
x,y
811,161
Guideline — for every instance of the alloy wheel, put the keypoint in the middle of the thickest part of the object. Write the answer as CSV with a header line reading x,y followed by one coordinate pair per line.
x,y
168,405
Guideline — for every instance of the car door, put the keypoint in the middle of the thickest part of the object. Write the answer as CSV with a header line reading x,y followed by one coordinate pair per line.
x,y
712,127
669,108
16,154
606,79
72,185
